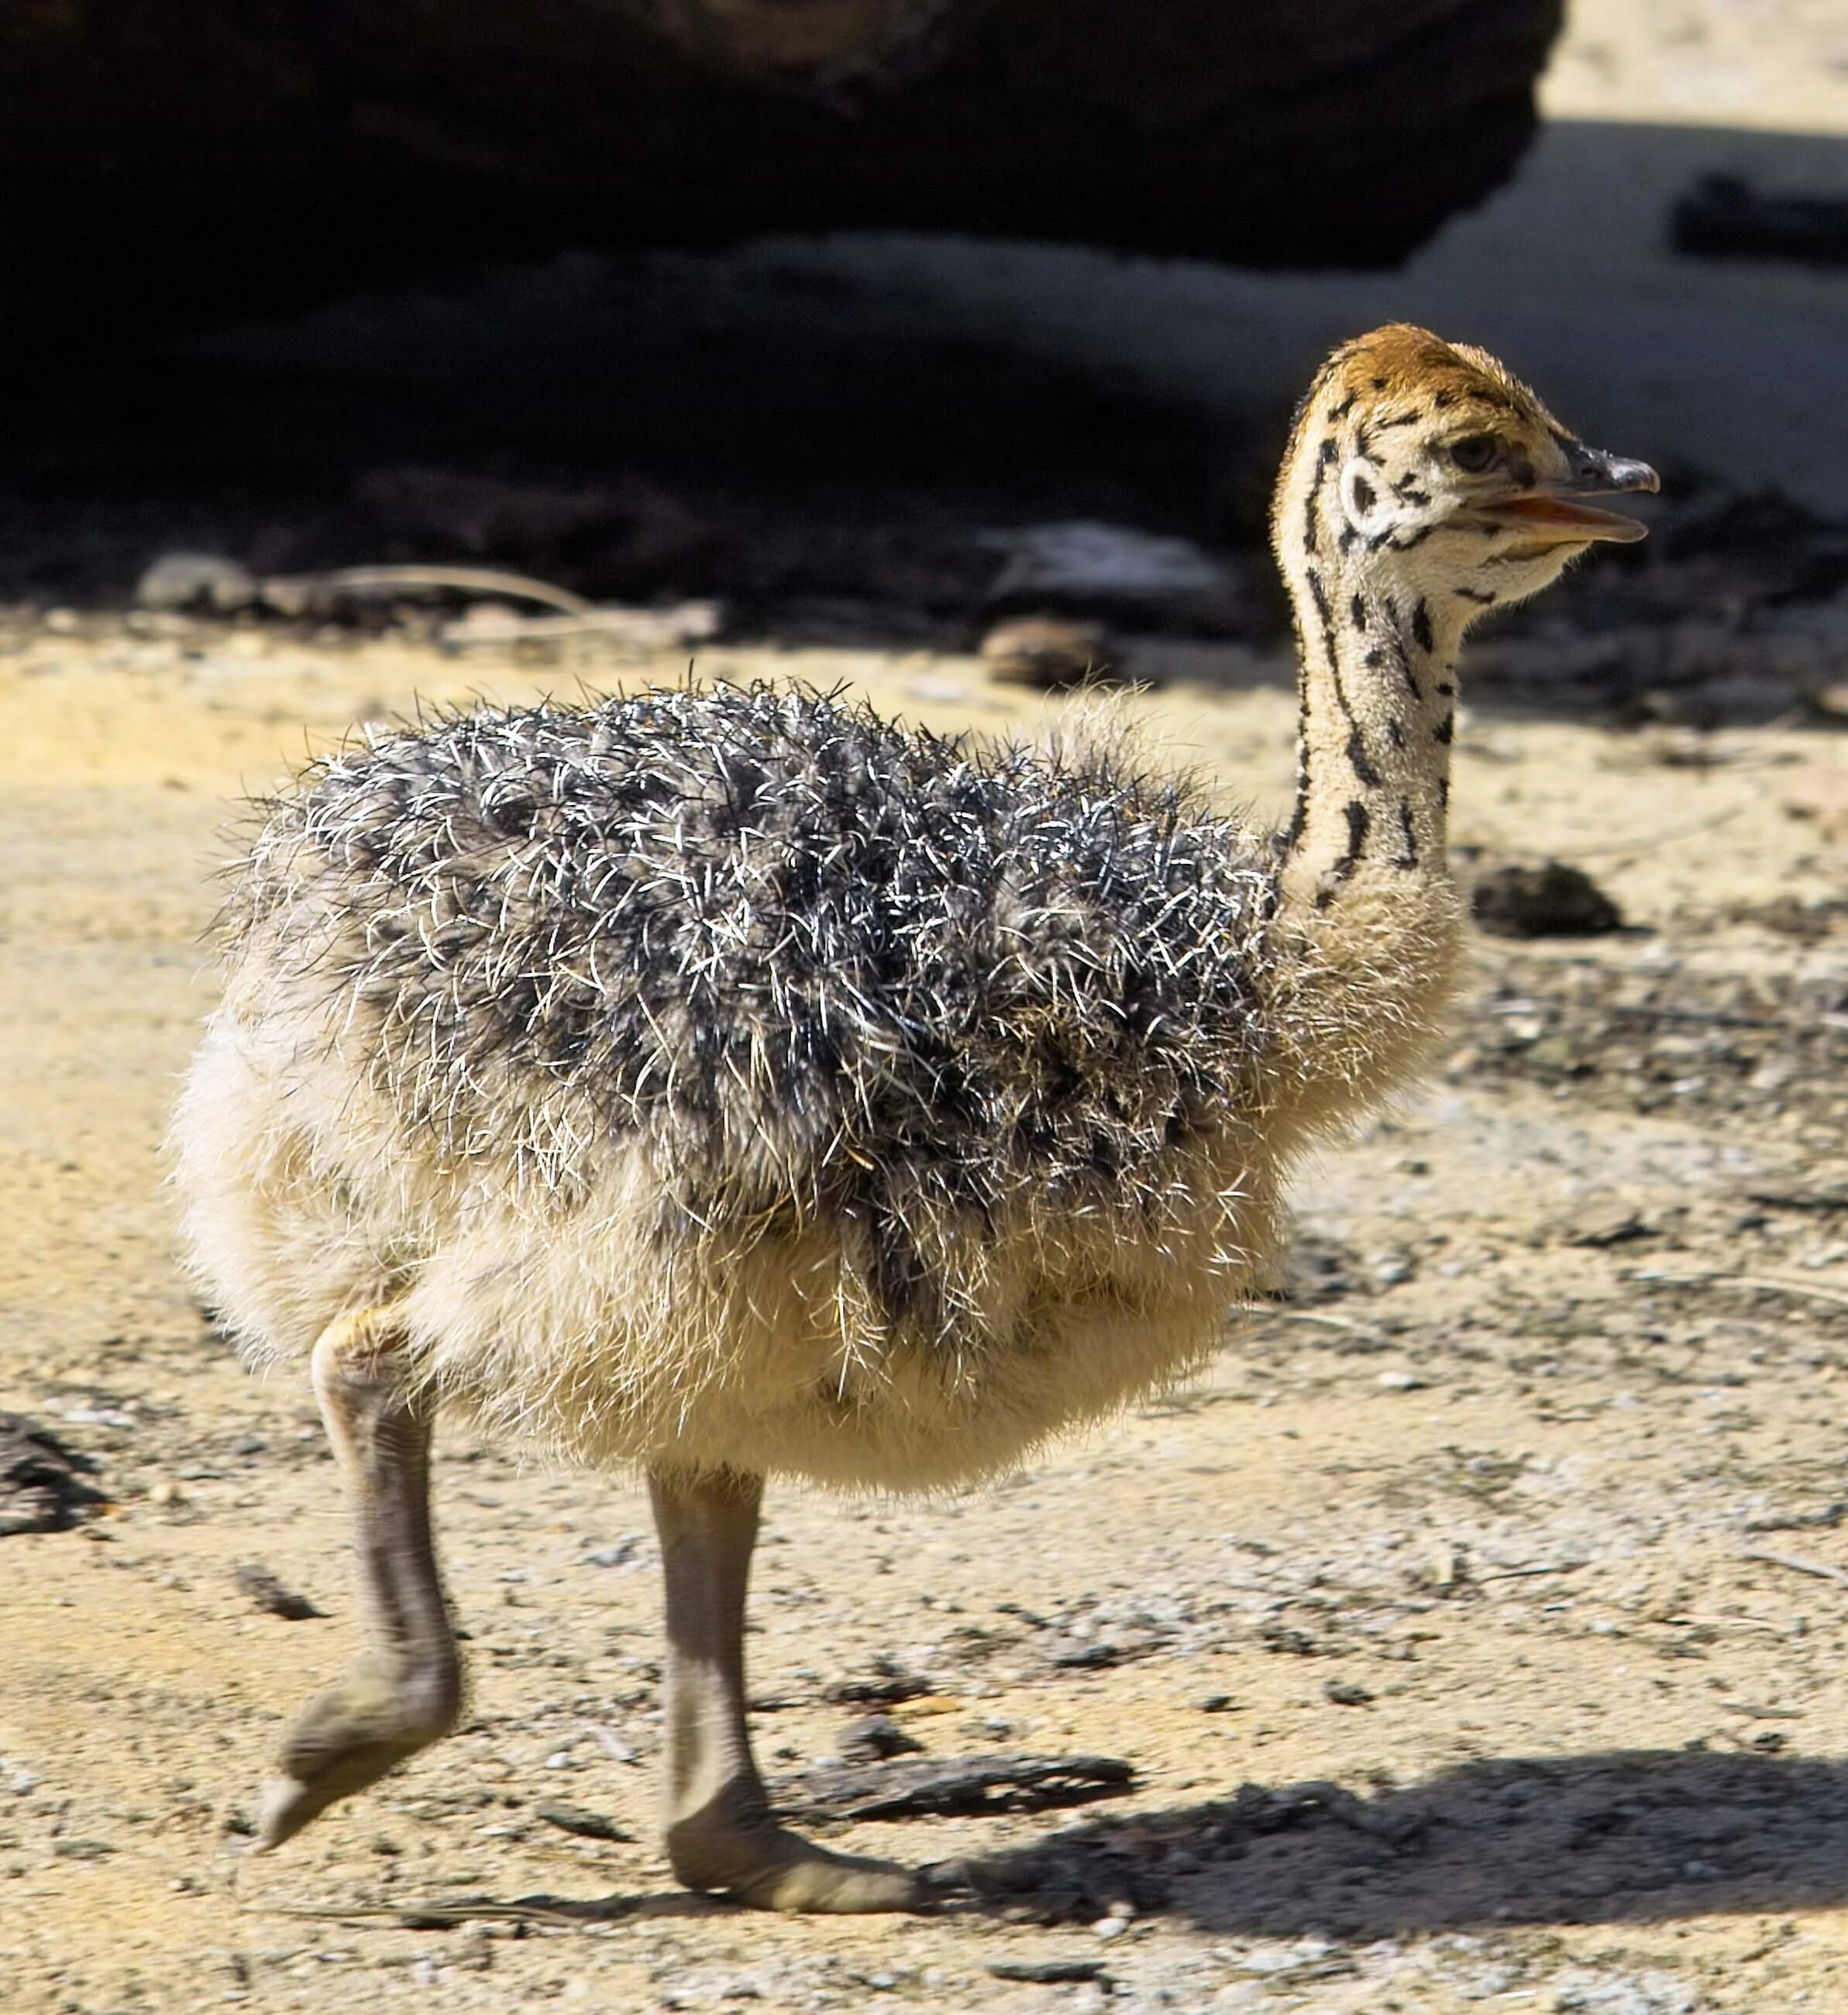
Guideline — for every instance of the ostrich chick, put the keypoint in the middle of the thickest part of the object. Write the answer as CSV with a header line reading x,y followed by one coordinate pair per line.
x,y
730,1081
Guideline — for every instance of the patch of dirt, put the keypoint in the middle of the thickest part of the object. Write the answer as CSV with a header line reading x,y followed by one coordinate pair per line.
x,y
1450,1625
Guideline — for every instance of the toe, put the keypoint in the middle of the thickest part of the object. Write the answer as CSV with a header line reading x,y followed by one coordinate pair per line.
x,y
840,1886
345,1740
288,1806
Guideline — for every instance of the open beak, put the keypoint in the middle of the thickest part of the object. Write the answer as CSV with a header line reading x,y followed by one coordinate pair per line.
x,y
1552,515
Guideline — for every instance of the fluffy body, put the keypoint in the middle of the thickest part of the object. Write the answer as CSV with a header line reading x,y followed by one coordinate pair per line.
x,y
729,1081
729,1078
732,1080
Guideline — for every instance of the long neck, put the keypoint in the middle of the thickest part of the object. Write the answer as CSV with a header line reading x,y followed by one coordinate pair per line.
x,y
1378,697
1368,929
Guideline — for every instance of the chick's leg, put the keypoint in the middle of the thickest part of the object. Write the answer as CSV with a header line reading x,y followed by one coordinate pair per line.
x,y
720,1833
403,1690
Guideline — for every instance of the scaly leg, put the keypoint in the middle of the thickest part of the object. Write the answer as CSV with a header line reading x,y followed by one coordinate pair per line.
x,y
720,1833
404,1688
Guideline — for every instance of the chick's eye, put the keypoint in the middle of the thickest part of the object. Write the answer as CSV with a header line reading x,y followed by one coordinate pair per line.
x,y
1474,452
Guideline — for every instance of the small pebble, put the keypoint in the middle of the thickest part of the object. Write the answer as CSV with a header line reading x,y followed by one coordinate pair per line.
x,y
1048,1972
98,1416
586,1826
185,580
1605,1221
1045,651
270,1595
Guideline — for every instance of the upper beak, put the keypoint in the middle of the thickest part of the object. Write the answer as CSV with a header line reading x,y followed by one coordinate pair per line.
x,y
1592,469
1550,516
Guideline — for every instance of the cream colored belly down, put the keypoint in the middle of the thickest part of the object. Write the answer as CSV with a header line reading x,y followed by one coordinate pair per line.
x,y
562,1312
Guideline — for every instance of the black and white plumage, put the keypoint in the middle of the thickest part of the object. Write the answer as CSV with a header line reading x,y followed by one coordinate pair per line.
x,y
848,971
731,971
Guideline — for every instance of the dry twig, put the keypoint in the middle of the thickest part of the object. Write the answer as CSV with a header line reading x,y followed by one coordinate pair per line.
x,y
1762,1283
1797,1564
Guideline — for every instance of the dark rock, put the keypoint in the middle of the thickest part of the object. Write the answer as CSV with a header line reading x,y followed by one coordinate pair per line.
x,y
876,1738
1543,899
337,148
886,1683
270,1595
41,1485
1723,217
1047,1972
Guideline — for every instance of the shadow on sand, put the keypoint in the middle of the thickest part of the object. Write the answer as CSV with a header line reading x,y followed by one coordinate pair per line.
x,y
1630,1836
1626,1837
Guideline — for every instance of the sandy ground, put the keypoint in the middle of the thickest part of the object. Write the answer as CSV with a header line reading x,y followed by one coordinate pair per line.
x,y
1474,1630
1495,1488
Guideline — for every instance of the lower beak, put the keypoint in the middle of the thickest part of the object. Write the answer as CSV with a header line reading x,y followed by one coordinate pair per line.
x,y
1555,515
1547,518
